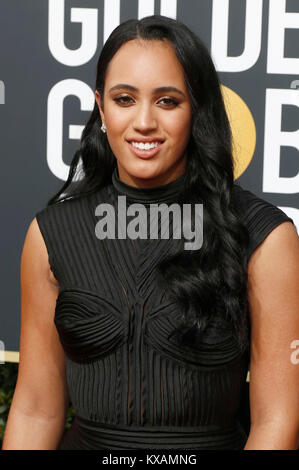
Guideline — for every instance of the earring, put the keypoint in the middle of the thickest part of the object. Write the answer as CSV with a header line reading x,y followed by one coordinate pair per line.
x,y
103,128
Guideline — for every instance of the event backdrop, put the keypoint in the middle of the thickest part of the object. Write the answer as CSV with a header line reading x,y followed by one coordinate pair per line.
x,y
48,56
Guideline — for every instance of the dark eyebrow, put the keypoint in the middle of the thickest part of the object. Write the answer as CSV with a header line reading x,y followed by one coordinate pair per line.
x,y
156,90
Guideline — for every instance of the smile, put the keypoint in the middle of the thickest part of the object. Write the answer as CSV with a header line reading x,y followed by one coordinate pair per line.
x,y
145,150
145,145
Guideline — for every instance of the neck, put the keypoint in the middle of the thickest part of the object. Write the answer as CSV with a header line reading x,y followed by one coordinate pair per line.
x,y
162,193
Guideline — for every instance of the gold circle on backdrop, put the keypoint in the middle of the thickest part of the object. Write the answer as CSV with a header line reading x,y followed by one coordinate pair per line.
x,y
243,130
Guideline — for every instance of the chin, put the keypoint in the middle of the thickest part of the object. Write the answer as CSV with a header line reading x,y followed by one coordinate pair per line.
x,y
144,171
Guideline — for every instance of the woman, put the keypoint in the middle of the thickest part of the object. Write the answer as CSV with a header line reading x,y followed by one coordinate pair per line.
x,y
150,341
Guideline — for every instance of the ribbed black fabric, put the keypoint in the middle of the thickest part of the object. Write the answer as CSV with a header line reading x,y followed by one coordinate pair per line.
x,y
259,216
130,385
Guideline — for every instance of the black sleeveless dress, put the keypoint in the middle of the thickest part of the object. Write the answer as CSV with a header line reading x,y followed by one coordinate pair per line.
x,y
130,386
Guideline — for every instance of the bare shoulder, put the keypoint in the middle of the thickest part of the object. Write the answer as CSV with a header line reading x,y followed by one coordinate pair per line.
x,y
273,272
35,250
279,249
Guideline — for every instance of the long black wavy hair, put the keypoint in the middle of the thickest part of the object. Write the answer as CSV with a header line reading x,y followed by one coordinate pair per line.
x,y
212,280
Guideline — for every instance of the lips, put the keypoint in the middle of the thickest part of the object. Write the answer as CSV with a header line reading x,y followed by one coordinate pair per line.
x,y
144,154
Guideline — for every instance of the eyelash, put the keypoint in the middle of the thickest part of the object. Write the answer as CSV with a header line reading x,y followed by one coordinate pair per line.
x,y
118,100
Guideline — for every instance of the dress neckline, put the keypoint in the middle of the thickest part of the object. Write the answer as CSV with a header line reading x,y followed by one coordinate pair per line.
x,y
163,193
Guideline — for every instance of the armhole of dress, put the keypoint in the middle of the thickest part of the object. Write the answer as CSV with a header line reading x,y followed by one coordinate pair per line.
x,y
43,224
261,217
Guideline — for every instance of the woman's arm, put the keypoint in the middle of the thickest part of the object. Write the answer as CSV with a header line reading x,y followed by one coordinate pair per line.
x,y
37,414
273,273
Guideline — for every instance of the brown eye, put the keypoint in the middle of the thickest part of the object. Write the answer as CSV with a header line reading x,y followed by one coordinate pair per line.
x,y
122,99
170,102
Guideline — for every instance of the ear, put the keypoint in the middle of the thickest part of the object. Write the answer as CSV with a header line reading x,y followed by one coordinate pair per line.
x,y
99,103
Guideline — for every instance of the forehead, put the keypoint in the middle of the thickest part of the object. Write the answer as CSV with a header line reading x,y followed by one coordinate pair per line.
x,y
146,64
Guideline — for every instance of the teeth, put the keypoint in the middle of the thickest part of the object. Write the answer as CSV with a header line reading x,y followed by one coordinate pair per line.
x,y
145,146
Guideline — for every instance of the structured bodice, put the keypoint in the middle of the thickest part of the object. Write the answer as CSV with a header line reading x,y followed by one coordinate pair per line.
x,y
131,382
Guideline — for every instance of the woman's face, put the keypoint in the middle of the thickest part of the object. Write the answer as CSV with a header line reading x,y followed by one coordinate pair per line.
x,y
146,113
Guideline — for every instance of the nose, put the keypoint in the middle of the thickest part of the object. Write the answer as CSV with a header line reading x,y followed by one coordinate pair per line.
x,y
145,119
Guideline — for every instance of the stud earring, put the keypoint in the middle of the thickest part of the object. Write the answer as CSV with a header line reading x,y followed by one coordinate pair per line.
x,y
103,128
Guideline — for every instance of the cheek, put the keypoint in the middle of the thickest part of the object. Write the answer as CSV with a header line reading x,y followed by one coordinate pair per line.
x,y
117,122
178,127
